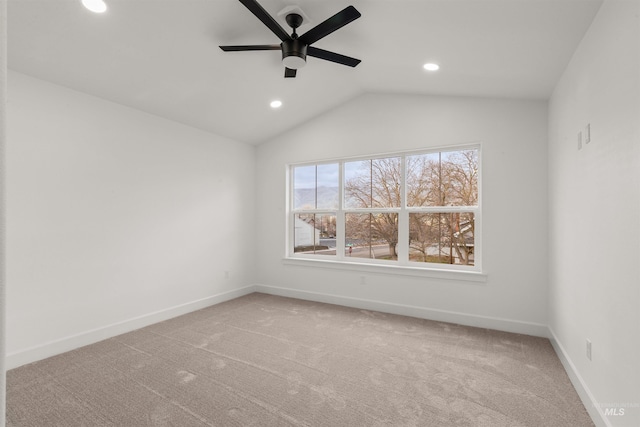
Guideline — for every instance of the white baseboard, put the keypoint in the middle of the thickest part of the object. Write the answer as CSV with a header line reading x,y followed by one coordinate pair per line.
x,y
32,354
588,400
507,325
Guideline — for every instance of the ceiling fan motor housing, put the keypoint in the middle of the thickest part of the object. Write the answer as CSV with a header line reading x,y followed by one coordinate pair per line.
x,y
294,54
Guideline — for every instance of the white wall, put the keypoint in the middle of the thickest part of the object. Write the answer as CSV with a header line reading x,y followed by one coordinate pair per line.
x,y
3,134
513,136
594,213
116,218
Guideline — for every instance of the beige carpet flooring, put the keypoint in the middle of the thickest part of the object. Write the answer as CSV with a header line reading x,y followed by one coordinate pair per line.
x,y
262,360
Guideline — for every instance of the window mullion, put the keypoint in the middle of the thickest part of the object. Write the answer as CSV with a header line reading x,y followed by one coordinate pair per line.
x,y
443,209
403,217
290,215
340,219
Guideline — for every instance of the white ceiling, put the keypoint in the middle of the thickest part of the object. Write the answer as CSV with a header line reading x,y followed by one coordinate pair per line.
x,y
162,56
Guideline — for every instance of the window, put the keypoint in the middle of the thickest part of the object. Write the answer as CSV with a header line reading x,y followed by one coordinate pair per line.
x,y
418,209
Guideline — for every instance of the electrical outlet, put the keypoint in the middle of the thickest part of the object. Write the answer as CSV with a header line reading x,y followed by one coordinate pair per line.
x,y
588,349
579,140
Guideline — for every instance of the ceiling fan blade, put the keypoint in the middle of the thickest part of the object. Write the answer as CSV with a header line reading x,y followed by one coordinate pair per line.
x,y
332,24
289,72
250,47
332,56
266,19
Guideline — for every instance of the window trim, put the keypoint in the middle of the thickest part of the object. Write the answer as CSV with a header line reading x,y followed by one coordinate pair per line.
x,y
395,270
402,265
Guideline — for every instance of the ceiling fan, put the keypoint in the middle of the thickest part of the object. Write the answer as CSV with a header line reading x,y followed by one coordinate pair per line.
x,y
296,48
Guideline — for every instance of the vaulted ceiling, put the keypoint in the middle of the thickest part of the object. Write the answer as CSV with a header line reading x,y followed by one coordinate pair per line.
x,y
162,56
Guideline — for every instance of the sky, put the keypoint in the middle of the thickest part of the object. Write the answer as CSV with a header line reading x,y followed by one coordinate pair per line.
x,y
328,174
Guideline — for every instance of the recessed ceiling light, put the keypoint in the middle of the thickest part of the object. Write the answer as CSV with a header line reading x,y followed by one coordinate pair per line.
x,y
97,6
276,104
430,66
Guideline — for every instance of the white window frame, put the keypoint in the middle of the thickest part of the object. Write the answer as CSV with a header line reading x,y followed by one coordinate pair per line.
x,y
402,265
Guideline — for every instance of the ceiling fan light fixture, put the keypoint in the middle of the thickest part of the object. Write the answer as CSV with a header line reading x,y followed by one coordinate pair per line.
x,y
294,54
293,62
431,66
276,103
96,6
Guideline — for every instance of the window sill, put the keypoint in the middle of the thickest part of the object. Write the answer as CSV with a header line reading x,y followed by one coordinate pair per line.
x,y
400,270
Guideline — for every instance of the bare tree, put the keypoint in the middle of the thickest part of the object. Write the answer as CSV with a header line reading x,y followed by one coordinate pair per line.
x,y
378,187
459,178
458,186
437,179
